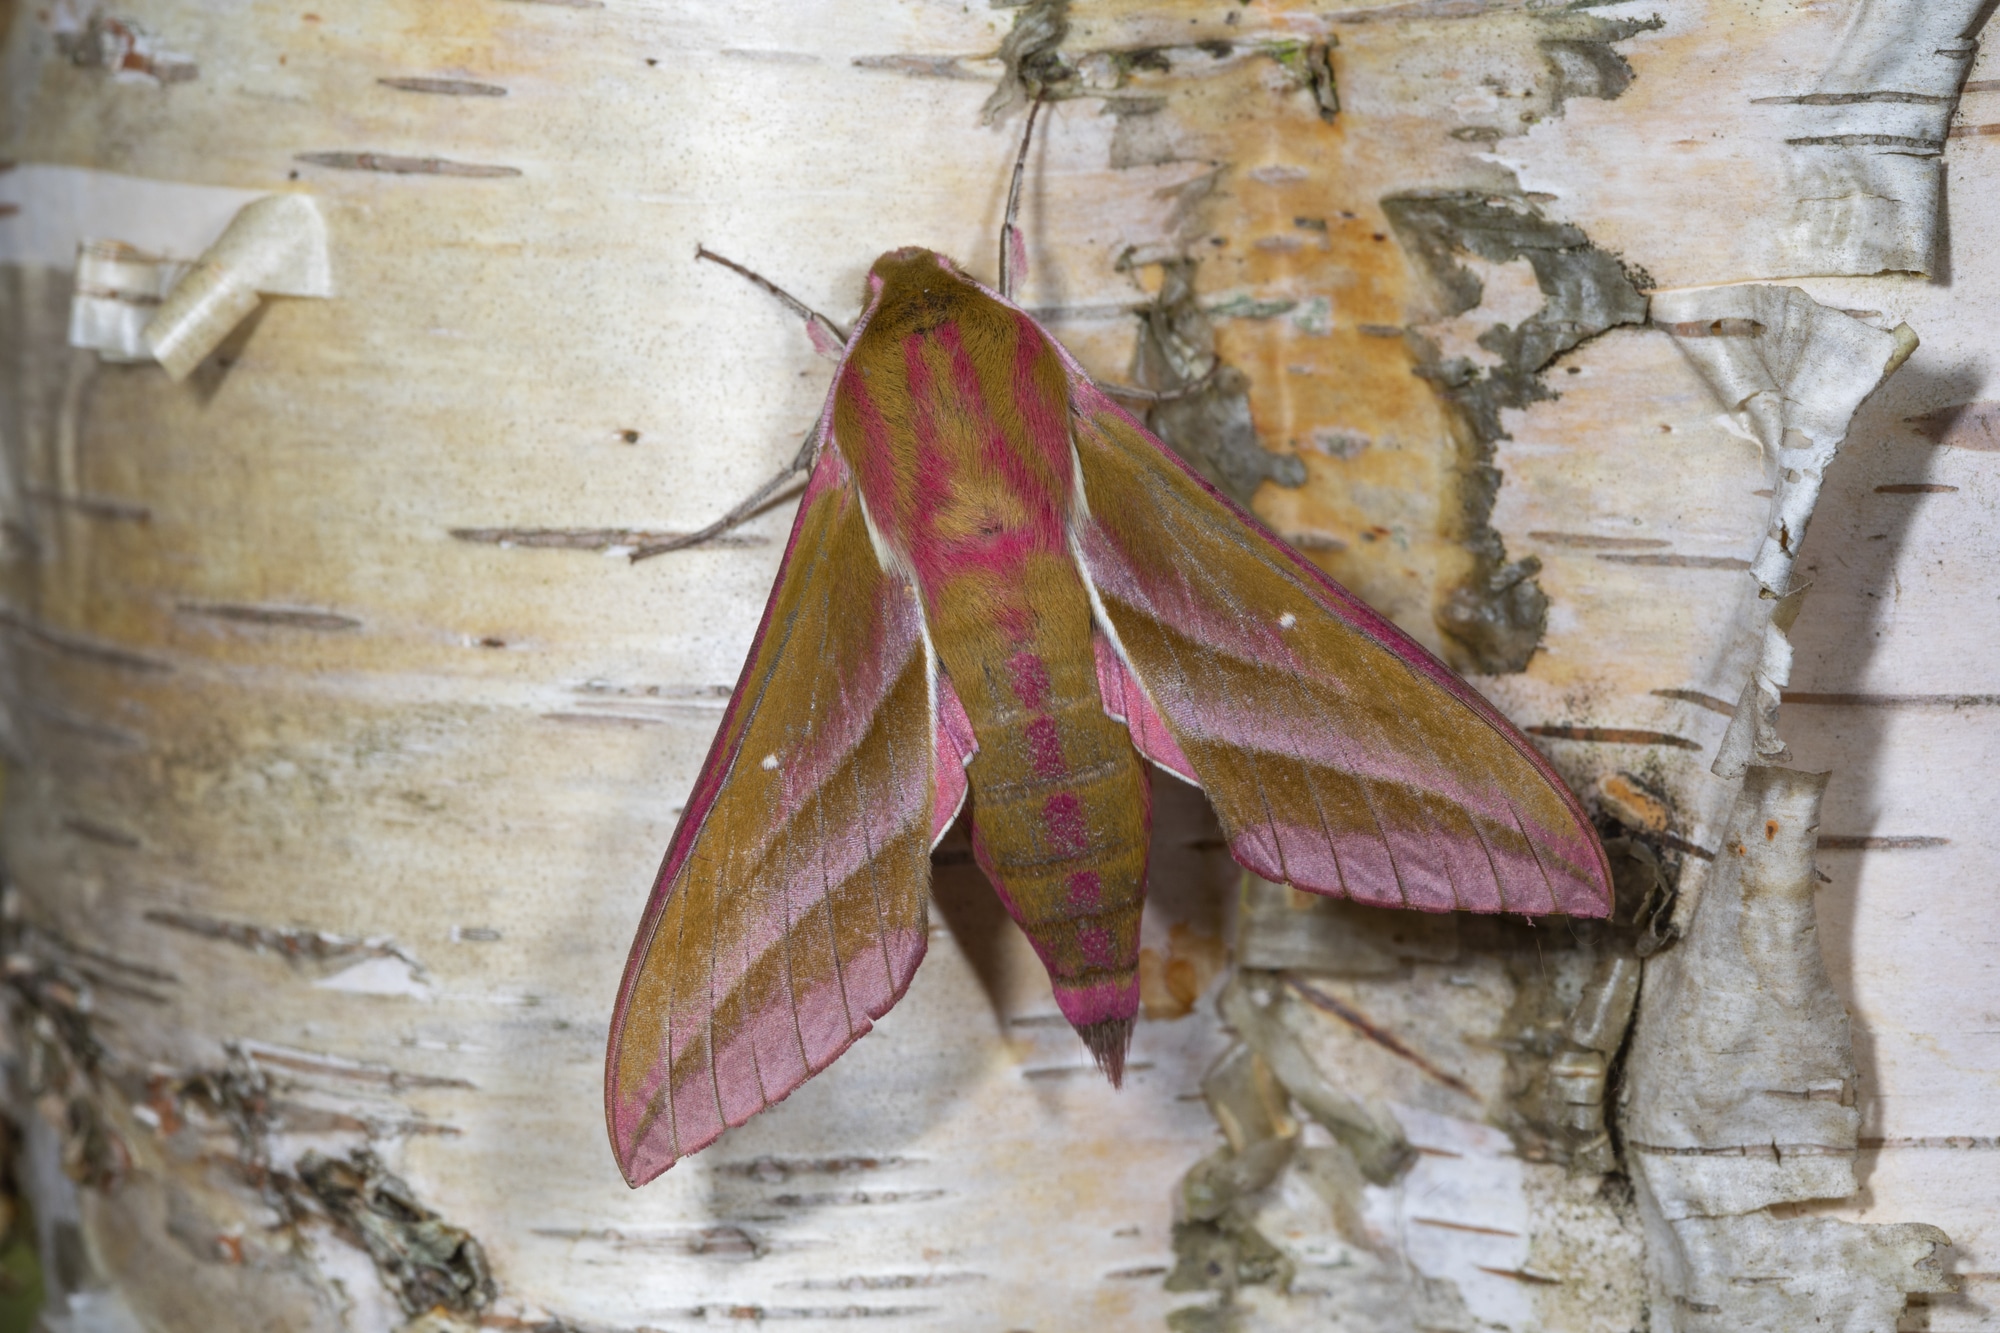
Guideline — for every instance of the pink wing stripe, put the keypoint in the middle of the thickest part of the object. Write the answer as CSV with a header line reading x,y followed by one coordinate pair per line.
x,y
955,747
697,1121
1125,701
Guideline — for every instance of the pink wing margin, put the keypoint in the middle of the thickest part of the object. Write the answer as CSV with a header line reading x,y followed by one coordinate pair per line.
x,y
790,909
1340,755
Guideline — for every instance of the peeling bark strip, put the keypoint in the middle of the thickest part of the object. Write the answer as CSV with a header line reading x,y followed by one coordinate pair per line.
x,y
1796,388
424,1260
403,166
1495,617
592,539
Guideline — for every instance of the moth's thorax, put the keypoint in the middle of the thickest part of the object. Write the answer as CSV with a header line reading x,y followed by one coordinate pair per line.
x,y
952,409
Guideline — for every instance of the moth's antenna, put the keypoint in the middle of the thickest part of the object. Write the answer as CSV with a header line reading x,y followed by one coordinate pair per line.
x,y
1013,252
828,337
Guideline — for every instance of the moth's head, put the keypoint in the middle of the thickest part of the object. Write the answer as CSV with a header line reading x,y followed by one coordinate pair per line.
x,y
913,289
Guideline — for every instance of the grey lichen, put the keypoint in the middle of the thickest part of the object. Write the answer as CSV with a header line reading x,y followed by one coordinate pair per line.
x,y
1204,410
1494,618
1580,55
423,1259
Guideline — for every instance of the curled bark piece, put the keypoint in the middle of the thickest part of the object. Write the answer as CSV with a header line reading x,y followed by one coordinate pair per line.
x,y
274,247
1795,372
1739,1094
118,287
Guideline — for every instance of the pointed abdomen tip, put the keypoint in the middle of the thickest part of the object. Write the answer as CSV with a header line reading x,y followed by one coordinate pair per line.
x,y
1108,1041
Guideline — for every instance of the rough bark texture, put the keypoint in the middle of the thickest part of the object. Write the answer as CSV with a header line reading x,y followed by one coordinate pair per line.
x,y
339,755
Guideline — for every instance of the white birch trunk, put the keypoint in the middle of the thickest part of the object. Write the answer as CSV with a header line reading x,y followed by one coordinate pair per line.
x,y
342,744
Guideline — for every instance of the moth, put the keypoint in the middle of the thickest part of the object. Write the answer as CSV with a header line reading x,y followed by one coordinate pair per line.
x,y
999,584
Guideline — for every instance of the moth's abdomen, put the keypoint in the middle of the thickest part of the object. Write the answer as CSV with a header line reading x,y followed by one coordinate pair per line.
x,y
1060,805
1060,811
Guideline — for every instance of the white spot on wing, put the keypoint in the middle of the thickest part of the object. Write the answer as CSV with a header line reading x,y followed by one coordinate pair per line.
x,y
770,762
1287,620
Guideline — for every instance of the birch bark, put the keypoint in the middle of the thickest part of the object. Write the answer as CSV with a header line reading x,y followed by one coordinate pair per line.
x,y
341,744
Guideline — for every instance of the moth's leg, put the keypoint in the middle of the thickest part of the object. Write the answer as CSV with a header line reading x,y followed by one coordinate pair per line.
x,y
1013,252
828,339
756,500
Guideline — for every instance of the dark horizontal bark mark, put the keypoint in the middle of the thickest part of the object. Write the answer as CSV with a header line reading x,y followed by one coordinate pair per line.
x,y
446,87
1915,488
1699,700
79,648
91,506
604,719
919,66
1374,1032
1888,96
291,942
99,833
1591,541
1908,142
87,728
404,166
590,539
1714,328
1463,1226
855,1198
1878,842
893,1281
1980,1142
1667,561
282,616
1811,699
1614,736
1680,844
376,1074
